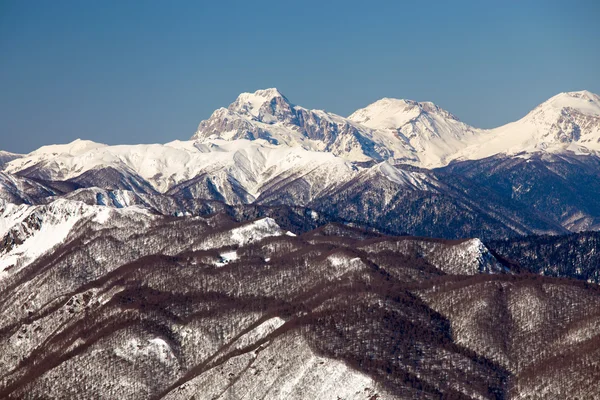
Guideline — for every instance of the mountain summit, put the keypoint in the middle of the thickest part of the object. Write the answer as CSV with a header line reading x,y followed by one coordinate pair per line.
x,y
261,104
407,131
432,132
389,113
568,117
566,122
268,114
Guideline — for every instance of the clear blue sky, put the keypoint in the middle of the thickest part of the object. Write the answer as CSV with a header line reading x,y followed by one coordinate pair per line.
x,y
150,71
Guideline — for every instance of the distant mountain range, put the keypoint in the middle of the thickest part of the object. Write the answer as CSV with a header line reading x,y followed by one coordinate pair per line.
x,y
399,166
406,131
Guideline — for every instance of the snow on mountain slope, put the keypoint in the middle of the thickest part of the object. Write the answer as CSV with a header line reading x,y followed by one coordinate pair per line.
x,y
252,103
566,118
155,163
468,257
17,189
416,180
27,232
567,121
433,132
262,135
295,372
417,133
77,146
6,156
267,114
241,236
249,163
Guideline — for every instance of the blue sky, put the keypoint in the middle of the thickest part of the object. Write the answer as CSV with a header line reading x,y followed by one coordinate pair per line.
x,y
150,71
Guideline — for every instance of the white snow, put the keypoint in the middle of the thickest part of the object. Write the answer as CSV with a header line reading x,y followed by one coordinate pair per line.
x,y
243,235
430,133
252,102
546,128
417,180
403,131
56,221
40,228
135,348
259,332
255,231
6,156
102,216
289,369
342,263
227,257
251,163
387,113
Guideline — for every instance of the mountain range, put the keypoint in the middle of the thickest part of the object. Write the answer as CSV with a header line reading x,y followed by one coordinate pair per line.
x,y
139,306
283,252
406,131
399,166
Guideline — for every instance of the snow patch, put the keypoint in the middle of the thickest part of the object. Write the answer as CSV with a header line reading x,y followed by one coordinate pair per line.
x,y
32,231
227,257
255,231
135,348
416,180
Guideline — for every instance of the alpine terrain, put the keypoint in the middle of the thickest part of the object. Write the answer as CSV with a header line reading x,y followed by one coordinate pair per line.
x,y
289,253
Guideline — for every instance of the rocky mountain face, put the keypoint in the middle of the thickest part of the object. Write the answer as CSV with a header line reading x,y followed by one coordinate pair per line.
x,y
284,252
268,115
406,131
432,132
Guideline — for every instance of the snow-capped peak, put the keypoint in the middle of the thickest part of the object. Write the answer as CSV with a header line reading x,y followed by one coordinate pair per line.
x,y
76,147
583,102
564,119
253,103
433,133
389,113
267,114
568,121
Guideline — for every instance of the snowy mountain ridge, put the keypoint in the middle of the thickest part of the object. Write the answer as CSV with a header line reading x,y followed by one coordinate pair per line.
x,y
262,134
372,168
27,232
250,163
566,122
267,114
407,131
